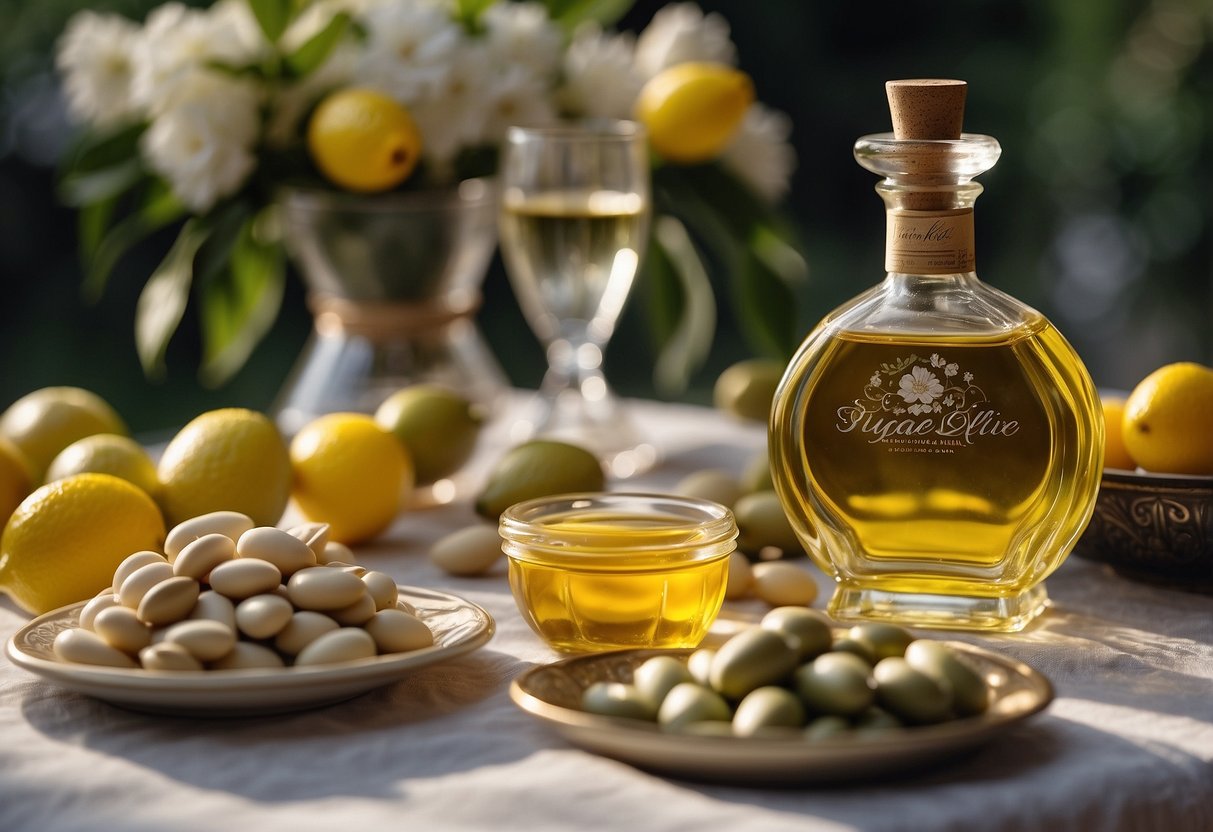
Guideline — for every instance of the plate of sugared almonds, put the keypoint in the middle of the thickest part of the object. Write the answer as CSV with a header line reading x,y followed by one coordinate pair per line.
x,y
458,627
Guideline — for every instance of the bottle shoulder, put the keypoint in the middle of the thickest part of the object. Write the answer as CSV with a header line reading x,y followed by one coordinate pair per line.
x,y
935,306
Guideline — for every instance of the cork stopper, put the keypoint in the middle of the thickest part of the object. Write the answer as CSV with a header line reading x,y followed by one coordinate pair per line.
x,y
927,108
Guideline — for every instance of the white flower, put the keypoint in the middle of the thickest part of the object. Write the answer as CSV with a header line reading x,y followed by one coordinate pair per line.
x,y
920,385
522,33
292,102
517,97
95,59
409,49
681,32
177,40
203,143
874,381
951,370
968,377
936,360
760,153
599,81
453,114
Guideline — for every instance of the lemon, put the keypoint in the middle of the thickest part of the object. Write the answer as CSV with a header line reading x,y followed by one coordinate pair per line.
x,y
691,110
363,141
15,480
538,468
351,474
64,542
1166,420
747,388
437,427
226,460
1115,454
107,453
44,422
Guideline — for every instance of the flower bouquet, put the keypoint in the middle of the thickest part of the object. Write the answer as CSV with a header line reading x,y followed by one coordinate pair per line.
x,y
196,118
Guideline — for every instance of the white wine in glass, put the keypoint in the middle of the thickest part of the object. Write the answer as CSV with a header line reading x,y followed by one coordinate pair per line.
x,y
574,220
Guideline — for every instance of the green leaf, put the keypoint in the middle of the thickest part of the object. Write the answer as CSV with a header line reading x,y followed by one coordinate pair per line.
x,y
97,151
92,223
273,16
240,306
158,210
468,12
318,47
85,188
691,339
766,307
162,302
571,13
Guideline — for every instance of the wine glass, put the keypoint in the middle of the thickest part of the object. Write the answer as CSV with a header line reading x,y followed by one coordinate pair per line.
x,y
574,221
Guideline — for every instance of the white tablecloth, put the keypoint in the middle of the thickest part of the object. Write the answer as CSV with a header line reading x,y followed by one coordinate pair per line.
x,y
1128,743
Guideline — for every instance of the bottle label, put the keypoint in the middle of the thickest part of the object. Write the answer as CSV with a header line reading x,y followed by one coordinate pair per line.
x,y
930,242
924,404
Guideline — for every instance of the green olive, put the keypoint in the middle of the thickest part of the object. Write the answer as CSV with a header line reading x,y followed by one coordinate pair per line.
x,y
807,629
910,694
617,699
757,475
767,707
826,727
886,639
761,522
437,427
707,728
689,702
658,676
699,664
538,468
876,719
861,648
751,659
711,484
835,683
747,388
970,694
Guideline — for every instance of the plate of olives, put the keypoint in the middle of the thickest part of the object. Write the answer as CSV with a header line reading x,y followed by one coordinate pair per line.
x,y
791,701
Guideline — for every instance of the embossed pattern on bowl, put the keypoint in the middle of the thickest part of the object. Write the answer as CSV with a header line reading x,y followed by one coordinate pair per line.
x,y
1154,527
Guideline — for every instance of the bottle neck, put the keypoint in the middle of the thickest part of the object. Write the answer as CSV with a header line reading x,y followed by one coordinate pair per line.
x,y
929,229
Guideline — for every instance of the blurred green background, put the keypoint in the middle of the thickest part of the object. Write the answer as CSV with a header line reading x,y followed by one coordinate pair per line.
x,y
1099,213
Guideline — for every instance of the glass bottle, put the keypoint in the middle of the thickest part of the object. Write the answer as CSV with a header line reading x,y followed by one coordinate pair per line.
x,y
936,443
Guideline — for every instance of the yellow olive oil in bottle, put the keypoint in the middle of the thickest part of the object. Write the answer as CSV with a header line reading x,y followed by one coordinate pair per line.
x,y
936,443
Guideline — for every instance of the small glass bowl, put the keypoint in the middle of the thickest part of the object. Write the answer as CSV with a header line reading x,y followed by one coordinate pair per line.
x,y
594,572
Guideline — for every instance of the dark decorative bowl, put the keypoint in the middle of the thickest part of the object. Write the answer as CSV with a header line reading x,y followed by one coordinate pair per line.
x,y
1154,527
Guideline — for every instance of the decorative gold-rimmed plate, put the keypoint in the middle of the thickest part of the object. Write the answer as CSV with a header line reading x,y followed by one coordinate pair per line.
x,y
458,625
552,693
1156,528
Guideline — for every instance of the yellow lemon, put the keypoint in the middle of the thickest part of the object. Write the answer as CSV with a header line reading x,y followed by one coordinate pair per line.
x,y
107,453
44,422
226,460
691,110
747,388
363,141
1166,420
15,480
1115,454
438,428
64,542
351,474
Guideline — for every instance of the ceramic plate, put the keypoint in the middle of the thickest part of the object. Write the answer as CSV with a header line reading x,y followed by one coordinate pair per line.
x,y
458,626
552,693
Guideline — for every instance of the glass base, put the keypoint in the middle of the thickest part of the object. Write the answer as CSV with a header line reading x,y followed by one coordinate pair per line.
x,y
946,612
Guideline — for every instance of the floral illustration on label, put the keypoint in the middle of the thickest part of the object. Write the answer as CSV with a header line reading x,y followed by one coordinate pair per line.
x,y
924,401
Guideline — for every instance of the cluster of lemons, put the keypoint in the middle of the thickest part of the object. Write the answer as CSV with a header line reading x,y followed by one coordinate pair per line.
x,y
77,494
1163,426
364,141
